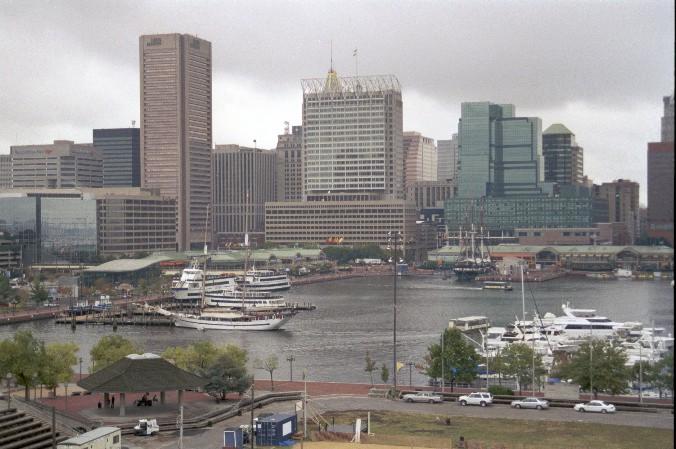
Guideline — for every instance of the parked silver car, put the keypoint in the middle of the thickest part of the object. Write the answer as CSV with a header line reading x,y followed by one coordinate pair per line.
x,y
595,406
532,402
423,396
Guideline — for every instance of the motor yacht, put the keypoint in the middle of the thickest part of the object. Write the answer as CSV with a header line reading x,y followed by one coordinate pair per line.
x,y
189,285
265,280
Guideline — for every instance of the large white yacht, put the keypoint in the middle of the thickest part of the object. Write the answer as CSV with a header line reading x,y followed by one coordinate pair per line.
x,y
265,280
189,285
238,299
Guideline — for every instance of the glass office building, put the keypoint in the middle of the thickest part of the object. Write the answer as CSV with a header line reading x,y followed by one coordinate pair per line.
x,y
498,214
499,154
51,229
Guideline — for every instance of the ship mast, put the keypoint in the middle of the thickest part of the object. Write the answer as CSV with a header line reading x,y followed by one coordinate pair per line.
x,y
206,256
246,251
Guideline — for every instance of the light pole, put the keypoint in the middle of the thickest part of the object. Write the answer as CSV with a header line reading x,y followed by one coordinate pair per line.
x,y
80,360
9,391
410,370
393,239
291,359
253,431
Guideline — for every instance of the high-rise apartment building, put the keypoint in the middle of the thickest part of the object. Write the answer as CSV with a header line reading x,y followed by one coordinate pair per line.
x,y
62,164
5,171
290,165
622,197
499,154
352,138
668,119
563,157
244,180
120,150
176,127
661,179
447,159
420,158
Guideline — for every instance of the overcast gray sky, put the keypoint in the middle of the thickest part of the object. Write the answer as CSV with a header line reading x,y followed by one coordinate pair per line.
x,y
599,67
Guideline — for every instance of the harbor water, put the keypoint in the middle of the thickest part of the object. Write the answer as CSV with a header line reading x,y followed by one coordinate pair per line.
x,y
354,317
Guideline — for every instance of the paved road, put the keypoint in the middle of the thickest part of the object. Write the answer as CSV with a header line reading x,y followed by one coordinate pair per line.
x,y
212,438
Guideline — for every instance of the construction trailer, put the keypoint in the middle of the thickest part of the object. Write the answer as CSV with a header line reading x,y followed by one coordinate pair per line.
x,y
99,438
274,430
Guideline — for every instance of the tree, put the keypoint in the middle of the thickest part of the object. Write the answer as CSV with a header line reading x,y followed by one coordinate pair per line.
x,y
110,349
661,373
38,293
370,366
270,364
57,364
226,374
200,355
22,356
384,373
459,358
606,371
517,361
6,291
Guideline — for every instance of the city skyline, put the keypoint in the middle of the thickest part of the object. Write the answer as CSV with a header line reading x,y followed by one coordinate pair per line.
x,y
607,90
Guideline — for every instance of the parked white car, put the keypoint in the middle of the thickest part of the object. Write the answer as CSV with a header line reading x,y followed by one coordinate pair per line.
x,y
481,398
532,402
422,396
595,406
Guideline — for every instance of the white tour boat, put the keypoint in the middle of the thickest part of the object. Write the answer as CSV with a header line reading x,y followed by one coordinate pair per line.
x,y
265,280
189,285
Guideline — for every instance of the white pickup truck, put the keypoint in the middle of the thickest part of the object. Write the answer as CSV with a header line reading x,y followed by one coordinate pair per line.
x,y
423,396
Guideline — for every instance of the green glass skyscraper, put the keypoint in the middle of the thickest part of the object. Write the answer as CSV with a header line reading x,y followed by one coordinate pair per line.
x,y
499,154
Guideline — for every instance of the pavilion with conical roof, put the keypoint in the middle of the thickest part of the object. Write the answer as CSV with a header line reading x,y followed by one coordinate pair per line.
x,y
137,373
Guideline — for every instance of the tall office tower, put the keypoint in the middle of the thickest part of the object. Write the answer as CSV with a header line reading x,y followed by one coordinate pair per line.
x,y
244,179
499,154
5,171
120,149
668,119
563,157
622,197
62,164
420,158
661,179
290,165
176,128
447,159
352,138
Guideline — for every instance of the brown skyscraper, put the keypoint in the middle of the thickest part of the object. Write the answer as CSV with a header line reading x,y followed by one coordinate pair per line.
x,y
176,127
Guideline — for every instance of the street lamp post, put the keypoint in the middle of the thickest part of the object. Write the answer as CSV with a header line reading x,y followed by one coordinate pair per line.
x,y
9,391
80,360
393,239
410,370
291,359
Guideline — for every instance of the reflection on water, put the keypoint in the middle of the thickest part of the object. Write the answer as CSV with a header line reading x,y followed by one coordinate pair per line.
x,y
355,316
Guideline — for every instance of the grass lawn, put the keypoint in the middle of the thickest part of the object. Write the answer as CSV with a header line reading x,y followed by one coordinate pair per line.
x,y
411,430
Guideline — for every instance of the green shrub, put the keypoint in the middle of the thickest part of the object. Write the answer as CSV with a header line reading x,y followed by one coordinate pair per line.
x,y
499,390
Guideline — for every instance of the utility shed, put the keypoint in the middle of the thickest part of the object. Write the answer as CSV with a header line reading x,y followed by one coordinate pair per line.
x,y
100,438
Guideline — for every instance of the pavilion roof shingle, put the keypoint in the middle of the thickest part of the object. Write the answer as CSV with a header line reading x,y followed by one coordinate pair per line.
x,y
141,373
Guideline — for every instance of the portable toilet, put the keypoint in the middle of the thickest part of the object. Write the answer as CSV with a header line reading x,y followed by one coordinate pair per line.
x,y
275,429
233,438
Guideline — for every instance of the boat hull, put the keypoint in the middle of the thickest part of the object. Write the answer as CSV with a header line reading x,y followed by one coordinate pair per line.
x,y
267,324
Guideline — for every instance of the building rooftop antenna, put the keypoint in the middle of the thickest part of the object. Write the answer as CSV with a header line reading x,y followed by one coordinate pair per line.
x,y
331,55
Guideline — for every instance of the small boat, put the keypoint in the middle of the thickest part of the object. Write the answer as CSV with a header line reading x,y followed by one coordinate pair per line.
x,y
497,285
469,323
622,273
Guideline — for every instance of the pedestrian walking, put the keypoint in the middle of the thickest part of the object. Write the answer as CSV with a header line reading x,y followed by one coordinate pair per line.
x,y
112,401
